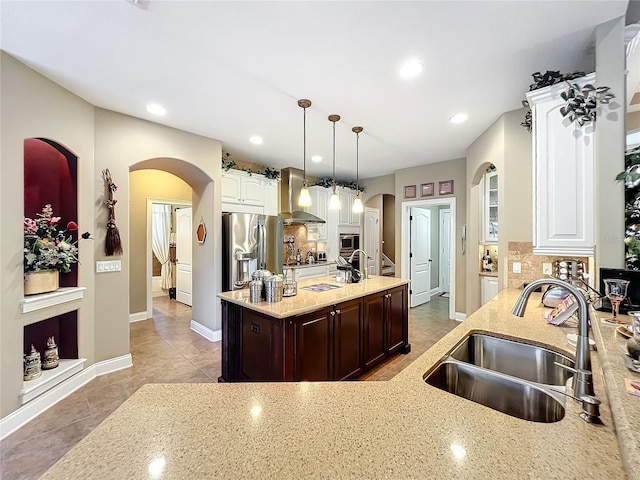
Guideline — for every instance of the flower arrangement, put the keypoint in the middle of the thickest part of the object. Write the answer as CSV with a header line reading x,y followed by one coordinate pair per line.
x,y
46,247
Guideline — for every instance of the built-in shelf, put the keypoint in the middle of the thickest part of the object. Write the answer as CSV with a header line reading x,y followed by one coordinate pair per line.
x,y
50,378
45,300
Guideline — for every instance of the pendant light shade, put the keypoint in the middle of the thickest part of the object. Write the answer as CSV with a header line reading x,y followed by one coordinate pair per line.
x,y
334,201
305,199
357,203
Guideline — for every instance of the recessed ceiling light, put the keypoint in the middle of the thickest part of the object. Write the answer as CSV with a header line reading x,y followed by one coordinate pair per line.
x,y
459,118
156,109
256,140
316,158
411,69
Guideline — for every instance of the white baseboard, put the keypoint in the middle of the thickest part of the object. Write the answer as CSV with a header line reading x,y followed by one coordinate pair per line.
x,y
435,291
138,316
35,407
211,335
460,317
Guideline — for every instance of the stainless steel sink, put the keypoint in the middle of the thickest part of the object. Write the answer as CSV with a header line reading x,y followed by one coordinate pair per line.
x,y
529,362
515,378
500,392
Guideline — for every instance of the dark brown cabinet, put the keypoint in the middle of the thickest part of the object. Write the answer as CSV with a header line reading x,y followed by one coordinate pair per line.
x,y
374,331
385,325
312,356
347,341
337,342
396,312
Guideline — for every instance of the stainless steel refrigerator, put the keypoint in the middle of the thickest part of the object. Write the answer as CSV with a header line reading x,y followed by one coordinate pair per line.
x,y
249,242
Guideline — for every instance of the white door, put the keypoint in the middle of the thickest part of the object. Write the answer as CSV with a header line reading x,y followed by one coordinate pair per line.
x,y
184,239
372,239
445,250
420,256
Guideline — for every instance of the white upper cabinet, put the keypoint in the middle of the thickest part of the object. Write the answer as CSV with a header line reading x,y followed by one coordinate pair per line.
x,y
563,176
490,208
246,193
270,197
320,208
347,216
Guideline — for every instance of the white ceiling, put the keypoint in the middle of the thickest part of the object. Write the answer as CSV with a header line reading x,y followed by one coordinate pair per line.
x,y
232,69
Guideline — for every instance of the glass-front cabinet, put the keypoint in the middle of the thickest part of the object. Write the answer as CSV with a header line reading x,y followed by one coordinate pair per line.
x,y
490,208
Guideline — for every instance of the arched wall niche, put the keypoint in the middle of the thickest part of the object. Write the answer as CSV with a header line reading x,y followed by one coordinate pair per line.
x,y
50,177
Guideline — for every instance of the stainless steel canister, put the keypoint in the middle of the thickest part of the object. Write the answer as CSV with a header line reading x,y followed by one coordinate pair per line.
x,y
261,275
273,287
255,291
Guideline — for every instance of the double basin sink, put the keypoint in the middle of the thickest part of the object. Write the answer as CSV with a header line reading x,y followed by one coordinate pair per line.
x,y
515,378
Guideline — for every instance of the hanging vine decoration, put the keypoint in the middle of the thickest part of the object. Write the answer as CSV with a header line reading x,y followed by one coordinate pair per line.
x,y
113,244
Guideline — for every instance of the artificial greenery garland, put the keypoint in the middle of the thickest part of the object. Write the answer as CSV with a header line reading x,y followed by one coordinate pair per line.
x,y
228,164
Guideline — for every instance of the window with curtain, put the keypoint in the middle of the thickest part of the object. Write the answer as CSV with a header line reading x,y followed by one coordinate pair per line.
x,y
160,232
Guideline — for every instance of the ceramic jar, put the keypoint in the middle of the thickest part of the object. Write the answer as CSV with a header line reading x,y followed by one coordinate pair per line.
x,y
50,358
32,364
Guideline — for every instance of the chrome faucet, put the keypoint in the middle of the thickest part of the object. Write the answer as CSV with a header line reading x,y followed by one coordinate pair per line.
x,y
367,257
582,380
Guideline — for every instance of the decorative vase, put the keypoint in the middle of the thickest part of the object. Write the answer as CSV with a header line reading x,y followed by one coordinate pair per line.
x,y
50,358
32,364
41,282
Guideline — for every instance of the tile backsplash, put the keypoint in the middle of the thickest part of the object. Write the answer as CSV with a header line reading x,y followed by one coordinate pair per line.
x,y
299,234
531,265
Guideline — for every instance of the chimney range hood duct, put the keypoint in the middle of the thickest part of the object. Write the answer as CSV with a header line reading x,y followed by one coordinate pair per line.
x,y
290,187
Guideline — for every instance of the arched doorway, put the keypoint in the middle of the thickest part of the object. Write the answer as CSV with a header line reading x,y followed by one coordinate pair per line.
x,y
206,318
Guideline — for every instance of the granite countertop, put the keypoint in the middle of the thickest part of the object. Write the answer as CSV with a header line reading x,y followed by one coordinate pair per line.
x,y
401,429
488,274
306,301
625,407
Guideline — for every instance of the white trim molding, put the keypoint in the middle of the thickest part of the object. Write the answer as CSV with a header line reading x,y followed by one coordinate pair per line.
x,y
211,335
138,316
46,400
45,300
460,317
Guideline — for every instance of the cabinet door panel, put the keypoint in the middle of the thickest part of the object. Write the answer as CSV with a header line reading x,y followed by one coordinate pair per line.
x,y
252,191
312,339
396,311
348,340
374,332
230,188
260,347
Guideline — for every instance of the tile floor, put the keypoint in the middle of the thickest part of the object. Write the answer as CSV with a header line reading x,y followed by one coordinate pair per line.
x,y
165,350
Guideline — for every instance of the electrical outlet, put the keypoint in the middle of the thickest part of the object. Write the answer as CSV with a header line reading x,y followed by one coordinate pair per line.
x,y
546,268
516,267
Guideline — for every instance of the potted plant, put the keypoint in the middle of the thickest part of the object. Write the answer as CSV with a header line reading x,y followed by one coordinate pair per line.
x,y
47,251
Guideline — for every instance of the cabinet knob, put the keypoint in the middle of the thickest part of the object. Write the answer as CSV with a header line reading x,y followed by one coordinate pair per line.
x,y
333,314
338,312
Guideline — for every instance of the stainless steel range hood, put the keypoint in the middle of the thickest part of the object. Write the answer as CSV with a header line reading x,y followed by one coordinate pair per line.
x,y
290,187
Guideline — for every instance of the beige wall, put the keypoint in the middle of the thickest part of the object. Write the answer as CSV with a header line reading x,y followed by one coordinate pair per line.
x,y
377,185
389,226
124,144
633,121
610,143
144,184
455,170
33,106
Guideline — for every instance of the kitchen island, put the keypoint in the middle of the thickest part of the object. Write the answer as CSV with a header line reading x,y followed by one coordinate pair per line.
x,y
328,331
398,429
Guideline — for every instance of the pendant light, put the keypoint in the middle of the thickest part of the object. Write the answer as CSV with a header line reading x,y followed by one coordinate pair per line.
x,y
357,203
305,199
334,201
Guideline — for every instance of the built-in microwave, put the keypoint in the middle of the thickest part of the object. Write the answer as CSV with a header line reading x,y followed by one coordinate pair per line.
x,y
349,241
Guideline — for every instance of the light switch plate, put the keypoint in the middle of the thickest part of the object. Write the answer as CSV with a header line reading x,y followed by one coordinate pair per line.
x,y
103,266
546,268
517,267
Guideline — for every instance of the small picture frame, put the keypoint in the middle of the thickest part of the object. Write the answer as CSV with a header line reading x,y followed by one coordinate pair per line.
x,y
427,189
445,188
410,191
